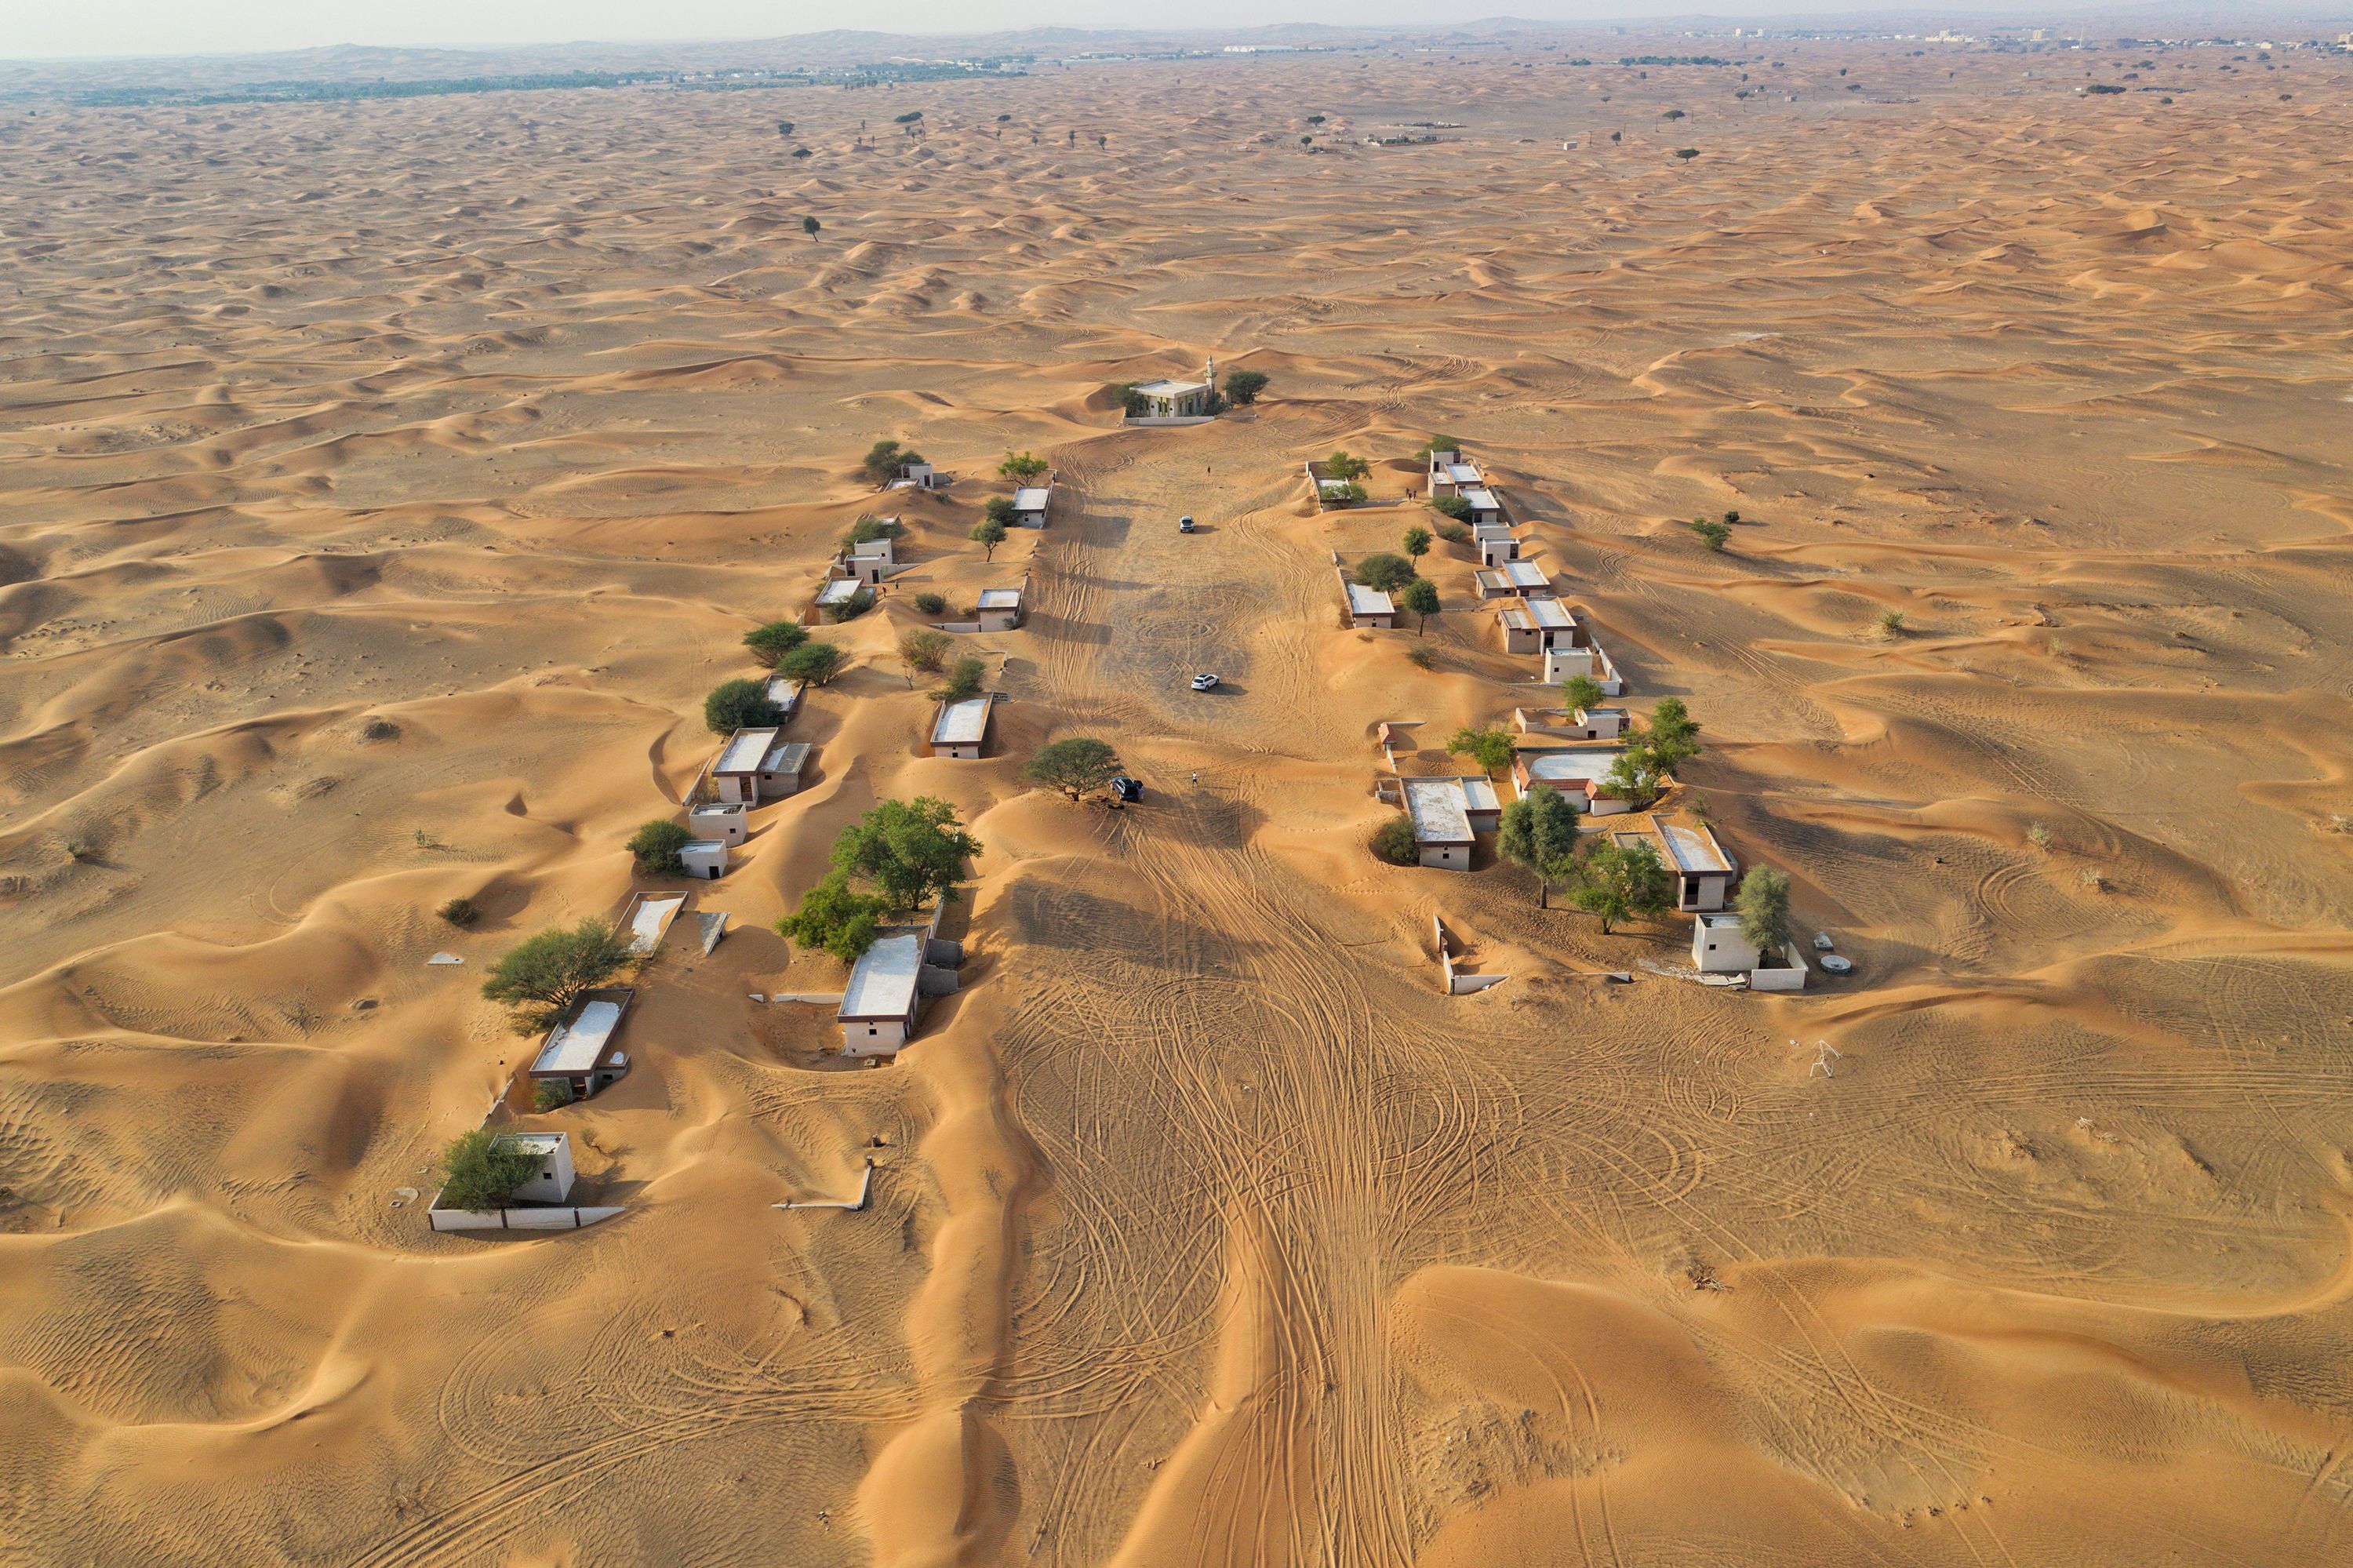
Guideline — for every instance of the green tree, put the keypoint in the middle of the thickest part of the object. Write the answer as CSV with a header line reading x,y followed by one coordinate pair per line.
x,y
1417,542
929,603
810,226
1393,841
1490,748
656,845
884,460
850,609
1244,386
544,975
836,918
771,642
816,663
1763,902
1538,834
1455,507
923,648
1384,571
1340,465
1670,739
1619,882
741,704
1633,777
964,681
478,1172
909,851
1076,766
1421,597
1687,153
1130,402
1021,465
1581,693
869,528
989,533
1712,533
1435,445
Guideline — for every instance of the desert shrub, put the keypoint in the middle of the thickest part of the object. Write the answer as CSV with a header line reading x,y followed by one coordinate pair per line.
x,y
479,1172
1490,748
656,845
546,974
1891,622
884,460
816,663
460,912
964,681
1244,386
1384,571
379,730
869,528
740,704
1076,766
771,642
2039,836
928,603
1423,656
850,609
1712,533
835,917
925,647
1454,533
1455,507
1393,841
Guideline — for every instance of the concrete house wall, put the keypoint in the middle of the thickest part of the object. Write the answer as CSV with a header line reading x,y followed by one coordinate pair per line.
x,y
729,825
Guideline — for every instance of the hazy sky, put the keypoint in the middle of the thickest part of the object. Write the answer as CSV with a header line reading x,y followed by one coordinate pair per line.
x,y
34,28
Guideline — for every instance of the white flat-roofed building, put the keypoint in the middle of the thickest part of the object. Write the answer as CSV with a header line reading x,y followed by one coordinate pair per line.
x,y
1527,580
1452,472
551,1182
1599,723
703,858
838,592
1369,606
1577,774
785,695
1032,502
1538,626
1173,399
735,772
1719,949
1493,584
1000,607
878,1006
961,729
1702,870
1441,823
916,476
1481,804
1496,544
1484,507
871,560
730,824
583,1049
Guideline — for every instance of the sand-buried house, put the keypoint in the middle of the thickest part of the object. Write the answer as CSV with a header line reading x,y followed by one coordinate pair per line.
x,y
1368,606
1703,871
1000,609
1577,772
1537,625
583,1051
867,562
757,766
960,729
1452,472
1033,503
1515,579
1441,823
884,993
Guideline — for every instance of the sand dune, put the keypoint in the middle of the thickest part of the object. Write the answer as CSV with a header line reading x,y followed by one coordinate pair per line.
x,y
385,483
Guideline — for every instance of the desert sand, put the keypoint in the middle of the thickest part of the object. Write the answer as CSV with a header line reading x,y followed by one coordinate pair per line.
x,y
381,484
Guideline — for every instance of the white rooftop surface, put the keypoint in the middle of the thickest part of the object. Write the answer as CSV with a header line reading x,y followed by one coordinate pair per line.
x,y
1525,574
1547,614
872,546
785,692
962,723
1032,497
882,983
577,1046
540,1143
1000,599
744,750
840,590
1170,388
1515,617
645,925
1490,580
1479,794
789,757
1334,484
1691,851
1561,766
703,846
1363,601
1462,472
1482,500
1436,805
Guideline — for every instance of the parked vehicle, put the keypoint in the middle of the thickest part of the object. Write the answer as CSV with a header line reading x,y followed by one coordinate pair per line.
x,y
1128,790
1184,525
1205,683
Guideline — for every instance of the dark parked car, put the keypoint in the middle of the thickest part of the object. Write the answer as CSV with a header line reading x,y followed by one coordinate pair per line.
x,y
1128,790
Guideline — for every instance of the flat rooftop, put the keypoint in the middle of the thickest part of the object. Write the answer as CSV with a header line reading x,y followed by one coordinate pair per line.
x,y
577,1045
744,751
1692,849
786,693
1464,472
1567,765
1549,615
1170,388
1439,814
1363,601
1482,500
961,724
1479,794
1032,497
1000,599
1525,574
789,757
882,982
840,590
